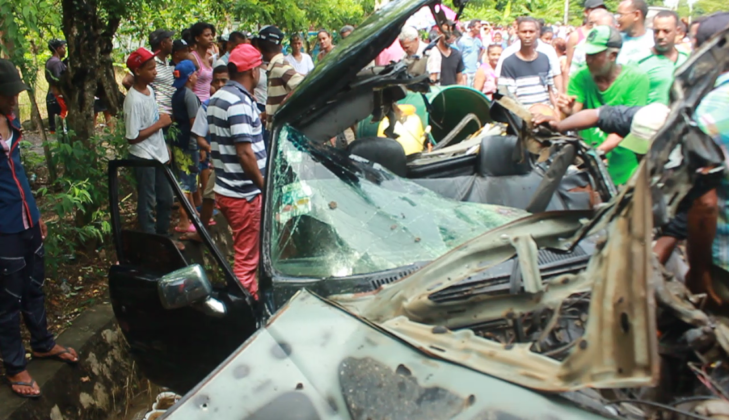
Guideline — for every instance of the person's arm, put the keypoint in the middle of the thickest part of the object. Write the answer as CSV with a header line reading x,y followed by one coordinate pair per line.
x,y
612,141
479,79
556,69
128,81
249,163
192,104
145,133
571,44
291,79
582,120
462,79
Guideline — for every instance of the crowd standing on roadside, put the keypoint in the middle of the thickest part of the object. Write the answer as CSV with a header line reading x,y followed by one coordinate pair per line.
x,y
204,104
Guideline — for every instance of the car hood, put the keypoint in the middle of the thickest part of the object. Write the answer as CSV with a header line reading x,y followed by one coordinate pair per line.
x,y
340,66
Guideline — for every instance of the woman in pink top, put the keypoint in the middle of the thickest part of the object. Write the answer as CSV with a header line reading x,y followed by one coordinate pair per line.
x,y
485,78
202,33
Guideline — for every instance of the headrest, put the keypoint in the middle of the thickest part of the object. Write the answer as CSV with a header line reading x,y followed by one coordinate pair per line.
x,y
499,156
387,152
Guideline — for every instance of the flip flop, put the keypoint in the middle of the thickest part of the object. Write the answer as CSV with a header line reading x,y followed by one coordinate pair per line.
x,y
57,356
21,383
190,229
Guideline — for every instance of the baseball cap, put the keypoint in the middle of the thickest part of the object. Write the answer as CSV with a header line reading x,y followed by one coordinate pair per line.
x,y
10,82
711,26
55,43
271,34
158,36
139,57
646,122
183,70
245,57
594,4
601,38
179,45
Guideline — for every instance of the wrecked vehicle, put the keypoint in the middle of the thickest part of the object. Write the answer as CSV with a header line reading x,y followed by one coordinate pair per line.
x,y
392,300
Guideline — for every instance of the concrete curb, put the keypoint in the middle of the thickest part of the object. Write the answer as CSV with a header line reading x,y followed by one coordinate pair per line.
x,y
94,388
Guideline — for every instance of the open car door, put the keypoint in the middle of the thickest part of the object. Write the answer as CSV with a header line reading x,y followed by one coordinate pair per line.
x,y
174,347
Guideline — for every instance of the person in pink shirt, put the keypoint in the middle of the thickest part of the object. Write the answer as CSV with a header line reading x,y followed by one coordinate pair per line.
x,y
392,53
485,78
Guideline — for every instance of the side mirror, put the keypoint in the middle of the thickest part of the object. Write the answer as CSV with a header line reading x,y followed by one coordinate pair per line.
x,y
189,286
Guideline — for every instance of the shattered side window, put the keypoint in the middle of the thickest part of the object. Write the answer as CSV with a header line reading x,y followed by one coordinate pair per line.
x,y
335,216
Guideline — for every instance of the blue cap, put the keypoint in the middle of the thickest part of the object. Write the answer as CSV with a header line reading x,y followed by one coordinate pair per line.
x,y
183,70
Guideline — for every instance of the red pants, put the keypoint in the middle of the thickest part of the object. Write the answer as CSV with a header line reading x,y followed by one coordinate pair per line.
x,y
244,218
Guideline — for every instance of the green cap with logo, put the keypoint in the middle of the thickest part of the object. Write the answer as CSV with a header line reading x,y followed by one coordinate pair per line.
x,y
601,38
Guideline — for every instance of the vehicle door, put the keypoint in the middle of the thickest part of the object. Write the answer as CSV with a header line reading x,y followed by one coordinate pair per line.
x,y
174,347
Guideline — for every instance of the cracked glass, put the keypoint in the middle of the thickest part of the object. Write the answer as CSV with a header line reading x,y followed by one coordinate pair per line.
x,y
336,215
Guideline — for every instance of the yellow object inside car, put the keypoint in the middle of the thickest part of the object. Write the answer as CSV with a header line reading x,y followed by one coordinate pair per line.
x,y
410,131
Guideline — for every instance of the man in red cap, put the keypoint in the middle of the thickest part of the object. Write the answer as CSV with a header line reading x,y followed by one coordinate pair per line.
x,y
144,124
239,157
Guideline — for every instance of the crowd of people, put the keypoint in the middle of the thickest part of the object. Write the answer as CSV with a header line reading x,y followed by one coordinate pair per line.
x,y
204,104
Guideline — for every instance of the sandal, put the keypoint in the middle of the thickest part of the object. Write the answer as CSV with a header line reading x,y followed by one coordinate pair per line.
x,y
30,384
57,356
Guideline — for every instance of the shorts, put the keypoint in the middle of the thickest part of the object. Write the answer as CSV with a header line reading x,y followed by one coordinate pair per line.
x,y
209,190
99,105
186,166
678,226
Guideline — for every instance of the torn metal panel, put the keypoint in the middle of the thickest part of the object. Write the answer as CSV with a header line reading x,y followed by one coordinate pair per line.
x,y
320,362
619,347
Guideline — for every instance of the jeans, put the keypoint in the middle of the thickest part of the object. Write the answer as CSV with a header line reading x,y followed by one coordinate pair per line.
x,y
54,109
153,189
244,218
21,290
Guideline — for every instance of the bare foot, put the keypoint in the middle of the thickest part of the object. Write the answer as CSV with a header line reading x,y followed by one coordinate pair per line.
x,y
195,237
24,376
60,352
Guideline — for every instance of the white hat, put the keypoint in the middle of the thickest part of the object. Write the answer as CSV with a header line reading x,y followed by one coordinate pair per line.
x,y
646,122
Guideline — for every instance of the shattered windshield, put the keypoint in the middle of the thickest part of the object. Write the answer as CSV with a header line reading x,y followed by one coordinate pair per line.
x,y
335,216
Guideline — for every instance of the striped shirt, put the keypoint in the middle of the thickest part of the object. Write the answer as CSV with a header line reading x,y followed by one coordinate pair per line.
x,y
233,117
713,119
529,81
162,86
282,80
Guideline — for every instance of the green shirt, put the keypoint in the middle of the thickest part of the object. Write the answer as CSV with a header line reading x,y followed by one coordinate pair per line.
x,y
631,89
660,72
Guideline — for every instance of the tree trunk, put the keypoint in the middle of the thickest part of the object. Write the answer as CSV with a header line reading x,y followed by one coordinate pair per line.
x,y
38,121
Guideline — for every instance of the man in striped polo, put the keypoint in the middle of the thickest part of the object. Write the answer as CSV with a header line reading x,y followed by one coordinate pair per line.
x,y
239,157
282,77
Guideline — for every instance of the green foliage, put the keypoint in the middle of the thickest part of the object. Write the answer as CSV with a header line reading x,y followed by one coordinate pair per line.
x,y
80,190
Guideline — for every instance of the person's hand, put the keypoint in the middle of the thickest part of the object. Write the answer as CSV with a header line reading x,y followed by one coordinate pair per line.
x,y
538,119
566,103
43,228
203,154
164,120
264,116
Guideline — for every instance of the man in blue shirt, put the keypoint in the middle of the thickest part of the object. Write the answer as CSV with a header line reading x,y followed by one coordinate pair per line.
x,y
21,252
471,47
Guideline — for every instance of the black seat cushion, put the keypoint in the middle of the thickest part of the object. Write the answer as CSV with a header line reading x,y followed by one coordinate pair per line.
x,y
387,152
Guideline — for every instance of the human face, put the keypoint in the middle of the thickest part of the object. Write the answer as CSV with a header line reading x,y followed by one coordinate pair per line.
x,y
627,17
61,50
193,78
325,41
206,39
600,63
165,46
410,47
8,104
664,33
498,38
527,33
547,37
476,29
296,45
147,72
220,79
346,34
493,54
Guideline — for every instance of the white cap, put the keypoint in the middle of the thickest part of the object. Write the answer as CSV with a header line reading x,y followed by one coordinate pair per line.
x,y
646,122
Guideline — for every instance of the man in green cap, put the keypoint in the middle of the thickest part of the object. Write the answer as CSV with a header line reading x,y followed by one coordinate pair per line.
x,y
604,82
664,58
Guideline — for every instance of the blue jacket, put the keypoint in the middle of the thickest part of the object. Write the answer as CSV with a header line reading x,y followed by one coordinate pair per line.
x,y
18,211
